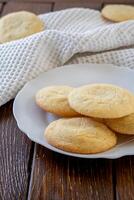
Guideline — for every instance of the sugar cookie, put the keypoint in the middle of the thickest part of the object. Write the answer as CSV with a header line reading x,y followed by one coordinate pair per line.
x,y
19,25
124,125
118,12
102,101
54,99
80,135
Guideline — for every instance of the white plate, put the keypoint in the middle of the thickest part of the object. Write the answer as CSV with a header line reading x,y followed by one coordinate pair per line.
x,y
33,121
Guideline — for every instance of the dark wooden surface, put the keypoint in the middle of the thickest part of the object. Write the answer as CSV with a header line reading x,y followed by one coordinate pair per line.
x,y
64,178
86,4
29,171
37,8
124,171
15,150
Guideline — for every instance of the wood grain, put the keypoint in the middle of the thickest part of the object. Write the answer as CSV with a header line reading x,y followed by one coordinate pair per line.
x,y
15,149
37,8
59,177
125,178
14,157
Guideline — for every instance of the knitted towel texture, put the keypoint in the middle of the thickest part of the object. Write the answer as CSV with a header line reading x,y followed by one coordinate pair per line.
x,y
71,36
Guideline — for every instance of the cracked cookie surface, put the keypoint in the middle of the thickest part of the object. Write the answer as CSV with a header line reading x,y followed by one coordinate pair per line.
x,y
54,99
18,25
80,135
124,125
102,101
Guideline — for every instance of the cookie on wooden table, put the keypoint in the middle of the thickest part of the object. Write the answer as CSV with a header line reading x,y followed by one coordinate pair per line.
x,y
124,125
54,99
118,12
102,101
80,135
19,25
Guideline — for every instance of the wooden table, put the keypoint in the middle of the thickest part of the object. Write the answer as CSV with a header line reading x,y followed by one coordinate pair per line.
x,y
29,171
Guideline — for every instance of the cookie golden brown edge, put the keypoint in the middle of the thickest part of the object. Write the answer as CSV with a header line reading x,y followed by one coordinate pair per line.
x,y
118,12
54,99
80,135
123,125
18,25
102,101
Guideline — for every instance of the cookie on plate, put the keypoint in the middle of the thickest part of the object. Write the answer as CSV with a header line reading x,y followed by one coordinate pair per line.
x,y
54,99
19,25
80,135
124,125
102,101
118,12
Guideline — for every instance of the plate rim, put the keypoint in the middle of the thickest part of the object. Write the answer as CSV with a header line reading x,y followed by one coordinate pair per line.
x,y
62,68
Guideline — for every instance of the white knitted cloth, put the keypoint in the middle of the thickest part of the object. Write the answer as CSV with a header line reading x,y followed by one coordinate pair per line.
x,y
71,36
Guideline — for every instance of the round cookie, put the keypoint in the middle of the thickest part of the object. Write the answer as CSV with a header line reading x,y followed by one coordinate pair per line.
x,y
118,12
54,99
19,25
102,101
124,125
80,135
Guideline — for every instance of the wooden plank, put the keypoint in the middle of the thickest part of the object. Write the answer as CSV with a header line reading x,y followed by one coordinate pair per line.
x,y
91,4
15,149
52,1
119,1
75,1
125,178
97,4
32,7
61,177
14,157
0,7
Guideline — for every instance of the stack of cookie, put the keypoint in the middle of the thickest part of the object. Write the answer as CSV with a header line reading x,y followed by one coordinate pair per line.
x,y
91,115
